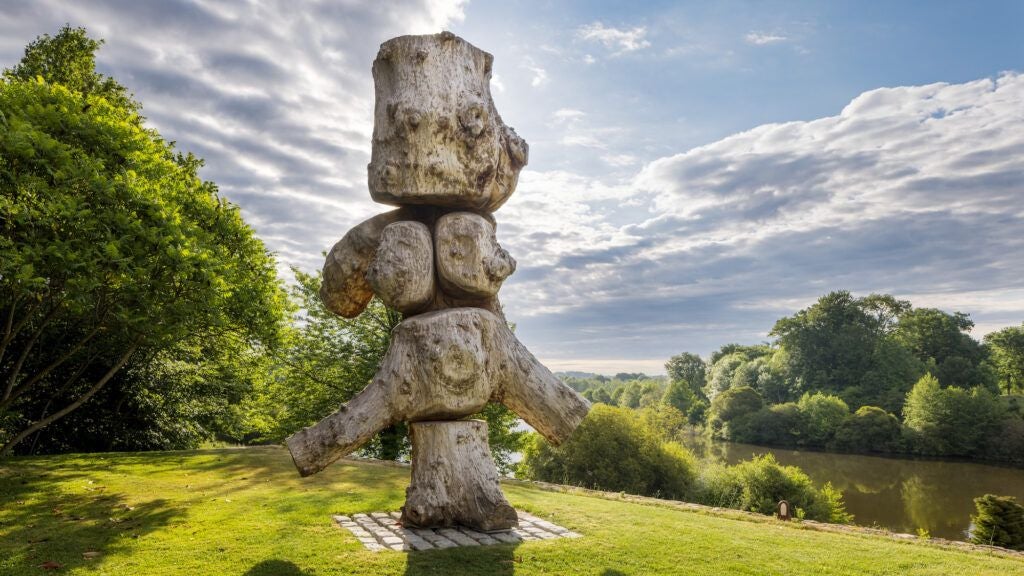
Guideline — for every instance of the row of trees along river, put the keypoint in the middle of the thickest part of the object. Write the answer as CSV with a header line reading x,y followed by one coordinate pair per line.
x,y
138,311
898,407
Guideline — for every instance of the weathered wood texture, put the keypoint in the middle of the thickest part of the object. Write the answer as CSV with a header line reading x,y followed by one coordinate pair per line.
x,y
437,138
444,365
454,480
470,263
402,272
344,289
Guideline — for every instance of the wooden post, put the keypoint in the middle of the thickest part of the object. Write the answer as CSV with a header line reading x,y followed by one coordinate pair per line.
x,y
454,480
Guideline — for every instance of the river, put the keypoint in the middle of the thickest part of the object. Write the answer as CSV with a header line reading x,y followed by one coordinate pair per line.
x,y
899,494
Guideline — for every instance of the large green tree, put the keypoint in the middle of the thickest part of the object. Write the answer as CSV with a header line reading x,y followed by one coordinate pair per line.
x,y
1007,350
112,248
689,368
942,340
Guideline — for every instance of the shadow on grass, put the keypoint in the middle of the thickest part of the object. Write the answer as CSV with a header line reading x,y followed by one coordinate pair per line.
x,y
276,568
495,559
44,519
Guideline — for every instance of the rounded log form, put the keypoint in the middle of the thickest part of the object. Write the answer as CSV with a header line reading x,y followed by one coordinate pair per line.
x,y
444,365
470,263
402,272
454,480
437,138
344,289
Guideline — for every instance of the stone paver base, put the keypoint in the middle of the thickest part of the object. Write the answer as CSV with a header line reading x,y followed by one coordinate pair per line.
x,y
382,531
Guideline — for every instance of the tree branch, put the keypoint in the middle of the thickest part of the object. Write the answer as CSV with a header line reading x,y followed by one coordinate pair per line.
x,y
74,405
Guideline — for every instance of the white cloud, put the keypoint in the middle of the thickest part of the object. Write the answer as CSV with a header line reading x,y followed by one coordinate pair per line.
x,y
540,75
763,38
563,115
914,191
616,39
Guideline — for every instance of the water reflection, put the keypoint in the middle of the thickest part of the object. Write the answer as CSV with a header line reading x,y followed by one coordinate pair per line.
x,y
898,494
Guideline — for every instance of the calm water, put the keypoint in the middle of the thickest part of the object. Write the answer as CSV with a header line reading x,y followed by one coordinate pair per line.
x,y
898,494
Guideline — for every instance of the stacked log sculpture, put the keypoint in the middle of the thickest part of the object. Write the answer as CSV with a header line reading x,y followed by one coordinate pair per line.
x,y
443,156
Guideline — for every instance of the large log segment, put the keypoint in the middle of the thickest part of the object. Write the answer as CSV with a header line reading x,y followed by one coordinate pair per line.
x,y
454,480
437,138
470,263
444,365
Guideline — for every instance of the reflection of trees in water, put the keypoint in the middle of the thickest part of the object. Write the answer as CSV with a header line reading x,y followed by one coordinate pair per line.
x,y
926,505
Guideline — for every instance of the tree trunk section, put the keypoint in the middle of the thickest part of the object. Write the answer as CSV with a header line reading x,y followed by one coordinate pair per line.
x,y
454,481
402,272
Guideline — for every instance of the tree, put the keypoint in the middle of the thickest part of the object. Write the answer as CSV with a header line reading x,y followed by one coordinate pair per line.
x,y
679,395
831,344
821,415
869,429
613,449
69,59
999,522
111,244
736,402
951,421
689,368
942,339
1007,346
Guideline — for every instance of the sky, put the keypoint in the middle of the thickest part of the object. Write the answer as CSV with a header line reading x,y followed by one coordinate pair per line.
x,y
697,170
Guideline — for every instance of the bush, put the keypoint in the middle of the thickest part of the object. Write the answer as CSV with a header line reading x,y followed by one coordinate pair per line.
x,y
869,429
821,415
613,449
776,425
732,404
1000,522
759,484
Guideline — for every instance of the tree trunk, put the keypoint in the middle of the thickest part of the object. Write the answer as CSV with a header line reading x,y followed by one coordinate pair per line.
x,y
454,480
40,424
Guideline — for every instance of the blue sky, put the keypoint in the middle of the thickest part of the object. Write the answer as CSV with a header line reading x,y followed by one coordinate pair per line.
x,y
697,169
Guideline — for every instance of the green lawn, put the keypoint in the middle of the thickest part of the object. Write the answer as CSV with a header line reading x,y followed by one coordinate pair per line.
x,y
246,511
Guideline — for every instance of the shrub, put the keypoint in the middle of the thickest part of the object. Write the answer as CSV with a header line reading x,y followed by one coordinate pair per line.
x,y
869,429
759,484
613,449
821,415
776,425
1000,522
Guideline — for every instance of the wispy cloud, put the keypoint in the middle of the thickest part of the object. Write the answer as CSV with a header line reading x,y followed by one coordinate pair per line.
x,y
764,38
618,40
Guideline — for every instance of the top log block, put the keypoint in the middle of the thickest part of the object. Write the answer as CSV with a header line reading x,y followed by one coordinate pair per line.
x,y
437,138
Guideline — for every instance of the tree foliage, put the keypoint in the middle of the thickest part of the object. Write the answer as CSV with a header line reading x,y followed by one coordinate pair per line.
x,y
111,244
999,522
1007,346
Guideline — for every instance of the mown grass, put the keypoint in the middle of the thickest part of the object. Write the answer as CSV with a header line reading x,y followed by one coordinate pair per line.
x,y
247,512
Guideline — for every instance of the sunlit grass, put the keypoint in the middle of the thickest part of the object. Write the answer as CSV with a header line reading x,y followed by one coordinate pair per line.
x,y
246,511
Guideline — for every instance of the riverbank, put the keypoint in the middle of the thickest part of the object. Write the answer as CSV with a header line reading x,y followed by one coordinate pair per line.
x,y
898,494
246,511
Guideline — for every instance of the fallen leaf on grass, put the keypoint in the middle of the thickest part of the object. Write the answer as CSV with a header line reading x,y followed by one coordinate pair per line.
x,y
90,554
51,565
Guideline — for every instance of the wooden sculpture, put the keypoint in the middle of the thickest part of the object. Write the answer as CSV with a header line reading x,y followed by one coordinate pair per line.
x,y
442,155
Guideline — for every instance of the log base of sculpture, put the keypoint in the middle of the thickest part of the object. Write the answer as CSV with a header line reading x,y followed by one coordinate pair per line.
x,y
454,481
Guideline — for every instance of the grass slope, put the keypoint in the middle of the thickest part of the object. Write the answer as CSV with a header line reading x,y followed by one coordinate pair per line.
x,y
247,512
